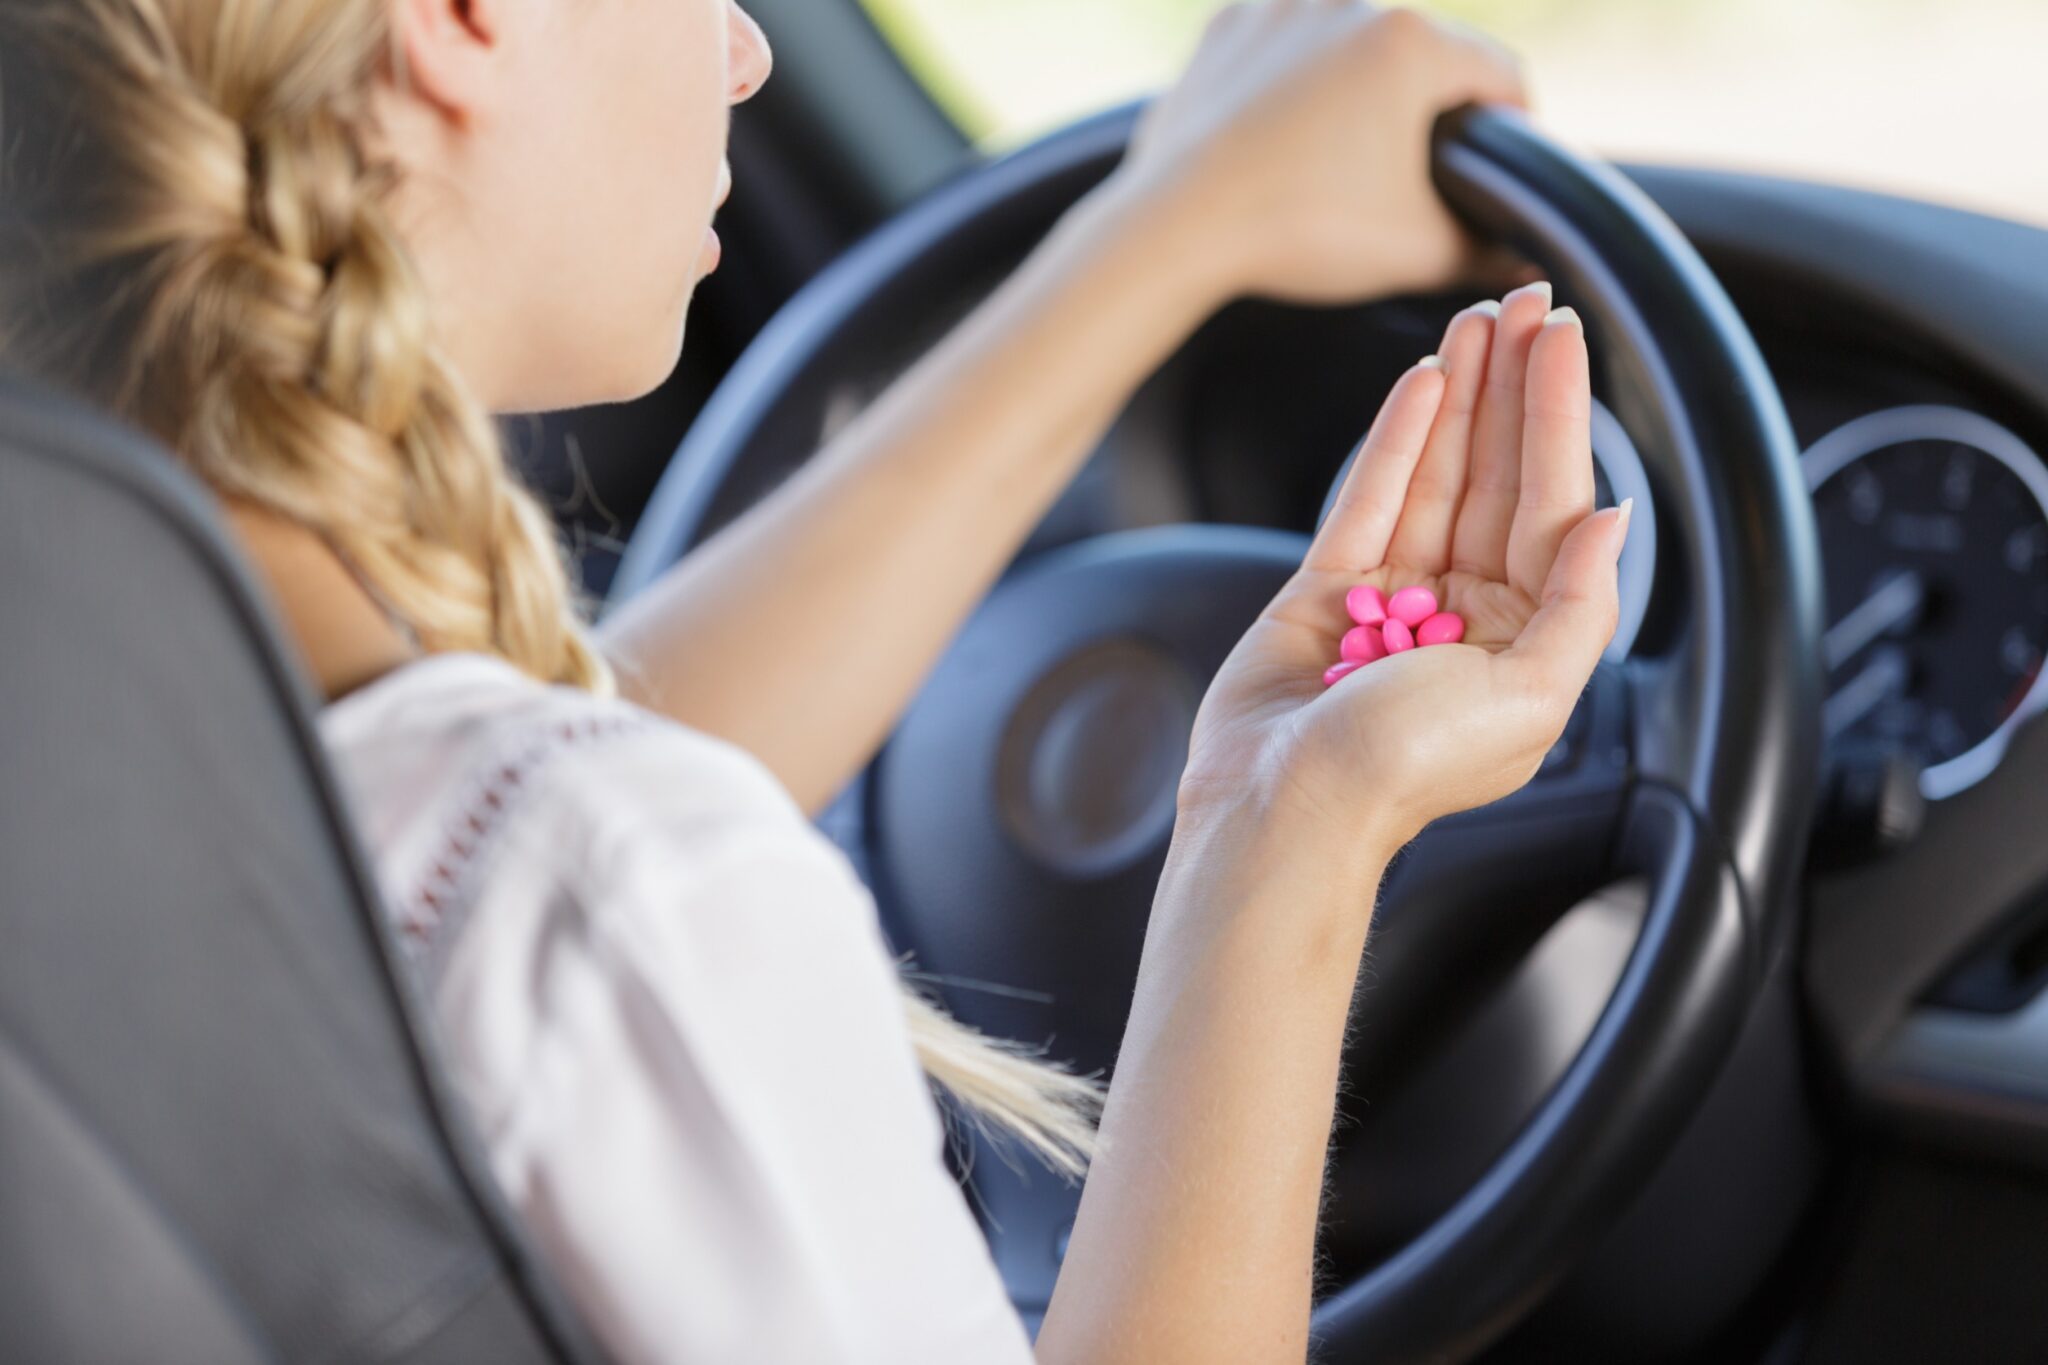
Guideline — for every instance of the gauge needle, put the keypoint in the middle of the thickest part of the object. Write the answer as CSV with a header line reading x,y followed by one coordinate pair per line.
x,y
1884,678
1894,604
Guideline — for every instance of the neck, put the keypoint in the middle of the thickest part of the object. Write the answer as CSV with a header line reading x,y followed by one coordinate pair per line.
x,y
344,638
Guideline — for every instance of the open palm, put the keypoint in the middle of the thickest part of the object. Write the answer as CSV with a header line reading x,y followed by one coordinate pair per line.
x,y
1476,482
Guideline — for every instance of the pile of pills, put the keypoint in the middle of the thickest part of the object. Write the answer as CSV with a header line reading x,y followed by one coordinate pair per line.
x,y
1391,625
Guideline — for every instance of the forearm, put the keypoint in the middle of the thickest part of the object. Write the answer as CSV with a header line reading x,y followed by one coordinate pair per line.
x,y
1196,1235
802,630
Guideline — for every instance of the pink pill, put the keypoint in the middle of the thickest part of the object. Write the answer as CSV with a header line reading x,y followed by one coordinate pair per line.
x,y
1367,604
1396,635
1362,645
1412,606
1336,671
1444,628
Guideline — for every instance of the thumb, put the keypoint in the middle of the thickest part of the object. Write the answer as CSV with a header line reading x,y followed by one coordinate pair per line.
x,y
1562,644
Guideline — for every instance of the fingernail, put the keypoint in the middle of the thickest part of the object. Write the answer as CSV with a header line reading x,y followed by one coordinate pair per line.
x,y
1541,289
1490,307
1627,511
1557,317
1432,362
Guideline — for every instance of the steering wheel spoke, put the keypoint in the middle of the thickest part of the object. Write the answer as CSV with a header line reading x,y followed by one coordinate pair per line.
x,y
1465,902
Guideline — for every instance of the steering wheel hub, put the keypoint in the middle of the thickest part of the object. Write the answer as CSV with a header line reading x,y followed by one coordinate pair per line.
x,y
1092,757
1021,813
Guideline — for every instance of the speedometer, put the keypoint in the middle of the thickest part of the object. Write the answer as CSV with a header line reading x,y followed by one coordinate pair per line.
x,y
1934,529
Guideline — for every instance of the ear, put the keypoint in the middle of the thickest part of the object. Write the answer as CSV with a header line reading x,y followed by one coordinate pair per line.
x,y
451,51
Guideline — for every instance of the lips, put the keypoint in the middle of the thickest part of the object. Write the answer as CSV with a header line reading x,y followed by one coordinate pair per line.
x,y
713,250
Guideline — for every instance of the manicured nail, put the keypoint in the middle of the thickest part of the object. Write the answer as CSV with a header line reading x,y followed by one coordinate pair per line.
x,y
1541,289
1432,362
1562,317
1627,510
1490,307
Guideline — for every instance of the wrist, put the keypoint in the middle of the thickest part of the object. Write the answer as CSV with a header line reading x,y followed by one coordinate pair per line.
x,y
1236,881
1251,832
1177,231
1236,242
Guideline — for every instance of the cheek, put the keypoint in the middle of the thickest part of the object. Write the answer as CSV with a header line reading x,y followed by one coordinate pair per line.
x,y
670,139
673,75
635,129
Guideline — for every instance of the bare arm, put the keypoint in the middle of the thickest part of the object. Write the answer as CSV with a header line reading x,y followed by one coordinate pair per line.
x,y
1196,1235
1196,1240
1291,161
802,631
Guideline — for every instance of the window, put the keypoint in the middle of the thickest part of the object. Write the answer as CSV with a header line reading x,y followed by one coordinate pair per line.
x,y
1931,98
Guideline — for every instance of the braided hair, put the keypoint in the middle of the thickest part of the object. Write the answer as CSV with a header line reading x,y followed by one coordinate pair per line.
x,y
196,234
228,278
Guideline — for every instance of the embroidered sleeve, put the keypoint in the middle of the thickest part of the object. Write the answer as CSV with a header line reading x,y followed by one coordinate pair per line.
x,y
427,907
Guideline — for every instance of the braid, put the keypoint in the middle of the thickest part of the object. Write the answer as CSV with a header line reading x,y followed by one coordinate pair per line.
x,y
272,328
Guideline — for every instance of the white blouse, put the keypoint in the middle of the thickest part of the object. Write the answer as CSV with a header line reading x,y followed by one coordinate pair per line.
x,y
668,1003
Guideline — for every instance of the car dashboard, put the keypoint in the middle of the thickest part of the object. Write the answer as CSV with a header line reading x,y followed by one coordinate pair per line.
x,y
1903,340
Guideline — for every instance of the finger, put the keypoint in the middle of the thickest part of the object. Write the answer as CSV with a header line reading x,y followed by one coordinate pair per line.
x,y
1560,647
1491,73
1557,450
1422,537
1353,538
1480,543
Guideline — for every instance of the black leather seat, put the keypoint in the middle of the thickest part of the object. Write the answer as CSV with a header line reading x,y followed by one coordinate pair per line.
x,y
220,1139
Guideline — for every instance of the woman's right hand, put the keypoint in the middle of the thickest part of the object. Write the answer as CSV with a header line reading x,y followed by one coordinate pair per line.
x,y
1294,161
1477,482
1195,1240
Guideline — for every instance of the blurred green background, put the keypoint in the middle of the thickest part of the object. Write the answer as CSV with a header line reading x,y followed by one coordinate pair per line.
x,y
1942,99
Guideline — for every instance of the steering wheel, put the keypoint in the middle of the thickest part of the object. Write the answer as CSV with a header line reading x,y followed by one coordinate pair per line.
x,y
1014,824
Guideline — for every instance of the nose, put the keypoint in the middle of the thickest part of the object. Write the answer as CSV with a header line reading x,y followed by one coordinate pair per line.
x,y
749,59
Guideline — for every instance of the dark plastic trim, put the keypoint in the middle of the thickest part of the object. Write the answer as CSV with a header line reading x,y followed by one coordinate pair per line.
x,y
1601,1133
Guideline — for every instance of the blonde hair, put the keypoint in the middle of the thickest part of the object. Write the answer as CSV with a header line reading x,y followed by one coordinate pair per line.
x,y
194,233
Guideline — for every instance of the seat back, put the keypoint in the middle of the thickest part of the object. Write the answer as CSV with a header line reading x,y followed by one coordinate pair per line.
x,y
220,1140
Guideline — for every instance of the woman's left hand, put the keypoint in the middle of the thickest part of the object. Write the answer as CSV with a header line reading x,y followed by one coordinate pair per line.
x,y
1294,153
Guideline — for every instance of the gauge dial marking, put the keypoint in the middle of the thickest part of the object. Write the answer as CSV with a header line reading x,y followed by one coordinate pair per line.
x,y
1894,606
1934,532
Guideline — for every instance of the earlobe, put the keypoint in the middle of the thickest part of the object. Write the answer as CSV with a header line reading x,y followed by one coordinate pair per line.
x,y
446,50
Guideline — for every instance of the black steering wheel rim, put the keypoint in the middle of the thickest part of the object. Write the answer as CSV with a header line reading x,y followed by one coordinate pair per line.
x,y
1721,725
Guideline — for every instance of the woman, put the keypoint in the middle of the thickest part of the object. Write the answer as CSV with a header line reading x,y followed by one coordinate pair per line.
x,y
312,244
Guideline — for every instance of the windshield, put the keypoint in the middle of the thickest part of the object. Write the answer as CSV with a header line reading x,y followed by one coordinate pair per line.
x,y
1937,99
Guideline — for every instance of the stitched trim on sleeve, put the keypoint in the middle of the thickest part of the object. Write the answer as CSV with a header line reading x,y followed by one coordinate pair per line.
x,y
427,914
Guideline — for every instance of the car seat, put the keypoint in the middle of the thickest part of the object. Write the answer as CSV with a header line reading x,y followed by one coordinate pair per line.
x,y
223,1138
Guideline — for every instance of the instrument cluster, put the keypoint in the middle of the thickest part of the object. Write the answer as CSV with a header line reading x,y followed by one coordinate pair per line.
x,y
1934,532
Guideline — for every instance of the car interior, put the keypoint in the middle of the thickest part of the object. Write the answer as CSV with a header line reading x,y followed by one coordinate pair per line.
x,y
1726,1040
